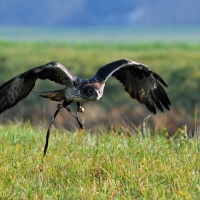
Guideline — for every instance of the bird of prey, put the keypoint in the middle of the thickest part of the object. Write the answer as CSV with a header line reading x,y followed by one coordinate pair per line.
x,y
139,81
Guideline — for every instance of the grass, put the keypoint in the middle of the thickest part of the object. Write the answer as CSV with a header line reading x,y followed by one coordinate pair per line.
x,y
111,164
108,165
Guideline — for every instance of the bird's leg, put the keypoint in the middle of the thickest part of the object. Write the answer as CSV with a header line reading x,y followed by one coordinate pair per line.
x,y
80,108
67,106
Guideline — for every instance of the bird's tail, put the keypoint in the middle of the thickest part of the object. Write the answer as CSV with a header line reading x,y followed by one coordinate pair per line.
x,y
57,95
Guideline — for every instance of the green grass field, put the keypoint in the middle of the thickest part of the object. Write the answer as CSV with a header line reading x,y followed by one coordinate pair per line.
x,y
100,162
109,165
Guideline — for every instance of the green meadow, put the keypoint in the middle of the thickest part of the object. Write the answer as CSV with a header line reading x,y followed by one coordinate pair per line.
x,y
112,158
113,164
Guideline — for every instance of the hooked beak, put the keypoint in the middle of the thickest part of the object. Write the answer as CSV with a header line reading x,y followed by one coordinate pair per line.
x,y
98,95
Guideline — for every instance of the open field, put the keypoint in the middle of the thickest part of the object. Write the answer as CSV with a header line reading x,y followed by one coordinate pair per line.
x,y
178,64
113,164
117,162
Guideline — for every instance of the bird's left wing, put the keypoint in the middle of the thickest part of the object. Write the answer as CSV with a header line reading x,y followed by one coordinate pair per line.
x,y
139,81
20,86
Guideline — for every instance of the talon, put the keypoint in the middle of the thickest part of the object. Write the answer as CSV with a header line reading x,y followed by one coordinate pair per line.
x,y
80,109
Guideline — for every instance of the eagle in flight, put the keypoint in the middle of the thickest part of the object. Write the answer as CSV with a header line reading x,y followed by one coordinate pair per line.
x,y
139,81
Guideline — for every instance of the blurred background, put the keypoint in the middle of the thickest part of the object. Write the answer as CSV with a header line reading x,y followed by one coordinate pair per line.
x,y
85,35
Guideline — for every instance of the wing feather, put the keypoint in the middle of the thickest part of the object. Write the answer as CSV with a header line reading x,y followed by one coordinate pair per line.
x,y
139,81
20,86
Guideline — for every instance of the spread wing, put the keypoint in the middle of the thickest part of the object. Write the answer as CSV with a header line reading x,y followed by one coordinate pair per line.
x,y
139,81
20,86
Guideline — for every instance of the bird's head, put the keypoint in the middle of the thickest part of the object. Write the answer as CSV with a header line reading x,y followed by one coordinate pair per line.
x,y
90,93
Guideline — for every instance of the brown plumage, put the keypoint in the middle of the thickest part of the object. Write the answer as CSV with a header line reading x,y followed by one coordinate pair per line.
x,y
139,81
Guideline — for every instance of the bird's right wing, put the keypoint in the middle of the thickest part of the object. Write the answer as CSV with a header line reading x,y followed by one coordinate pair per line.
x,y
20,86
139,81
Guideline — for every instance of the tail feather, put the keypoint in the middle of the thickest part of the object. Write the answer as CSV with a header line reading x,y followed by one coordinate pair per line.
x,y
57,95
